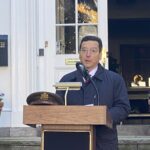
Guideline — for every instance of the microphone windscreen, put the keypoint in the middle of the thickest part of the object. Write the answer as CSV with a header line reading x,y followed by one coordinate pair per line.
x,y
81,68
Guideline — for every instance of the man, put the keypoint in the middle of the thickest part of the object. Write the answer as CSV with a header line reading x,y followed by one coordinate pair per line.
x,y
111,88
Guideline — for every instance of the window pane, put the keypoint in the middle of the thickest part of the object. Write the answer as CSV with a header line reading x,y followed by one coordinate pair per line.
x,y
87,11
65,40
65,11
87,30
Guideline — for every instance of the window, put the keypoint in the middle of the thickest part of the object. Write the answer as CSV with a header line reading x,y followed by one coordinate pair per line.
x,y
74,19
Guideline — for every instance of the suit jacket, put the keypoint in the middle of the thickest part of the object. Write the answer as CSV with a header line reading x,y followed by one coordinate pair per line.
x,y
112,92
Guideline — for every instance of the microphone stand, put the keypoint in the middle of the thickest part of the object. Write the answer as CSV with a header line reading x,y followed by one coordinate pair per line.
x,y
84,72
94,85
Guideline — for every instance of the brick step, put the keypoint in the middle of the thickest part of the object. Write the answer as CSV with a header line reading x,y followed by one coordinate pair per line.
x,y
134,139
20,141
37,140
33,143
134,142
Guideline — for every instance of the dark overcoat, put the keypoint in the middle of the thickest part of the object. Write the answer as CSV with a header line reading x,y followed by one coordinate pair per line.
x,y
112,92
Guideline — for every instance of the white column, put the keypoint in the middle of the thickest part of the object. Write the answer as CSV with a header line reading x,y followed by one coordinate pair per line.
x,y
23,55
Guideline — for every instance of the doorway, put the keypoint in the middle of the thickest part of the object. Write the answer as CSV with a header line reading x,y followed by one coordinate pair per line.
x,y
128,24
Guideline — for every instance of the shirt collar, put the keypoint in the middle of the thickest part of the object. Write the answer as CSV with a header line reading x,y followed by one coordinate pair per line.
x,y
92,72
98,73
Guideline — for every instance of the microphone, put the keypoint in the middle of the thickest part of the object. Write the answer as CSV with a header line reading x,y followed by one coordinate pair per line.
x,y
85,74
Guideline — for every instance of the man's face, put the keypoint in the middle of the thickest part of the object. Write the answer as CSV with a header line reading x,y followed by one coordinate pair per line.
x,y
89,54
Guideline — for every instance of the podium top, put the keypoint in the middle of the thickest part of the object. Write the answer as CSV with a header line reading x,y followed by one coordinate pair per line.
x,y
66,115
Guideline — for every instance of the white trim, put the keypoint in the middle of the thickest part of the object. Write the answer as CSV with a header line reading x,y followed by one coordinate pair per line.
x,y
50,51
103,24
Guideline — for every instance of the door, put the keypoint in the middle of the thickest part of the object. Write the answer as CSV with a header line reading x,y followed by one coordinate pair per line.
x,y
66,23
74,20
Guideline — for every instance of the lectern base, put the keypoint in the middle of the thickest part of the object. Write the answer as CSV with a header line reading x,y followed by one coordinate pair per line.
x,y
54,138
66,140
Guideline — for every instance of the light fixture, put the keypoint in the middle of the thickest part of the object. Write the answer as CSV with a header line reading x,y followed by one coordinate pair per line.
x,y
66,86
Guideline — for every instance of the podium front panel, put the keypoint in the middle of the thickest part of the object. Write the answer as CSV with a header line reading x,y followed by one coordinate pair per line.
x,y
66,140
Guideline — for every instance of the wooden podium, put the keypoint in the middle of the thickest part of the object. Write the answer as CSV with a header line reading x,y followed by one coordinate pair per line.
x,y
67,127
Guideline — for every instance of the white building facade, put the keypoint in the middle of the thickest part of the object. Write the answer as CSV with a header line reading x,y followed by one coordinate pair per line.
x,y
43,46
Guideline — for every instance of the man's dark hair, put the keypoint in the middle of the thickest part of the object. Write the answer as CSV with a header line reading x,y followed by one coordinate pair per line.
x,y
92,38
